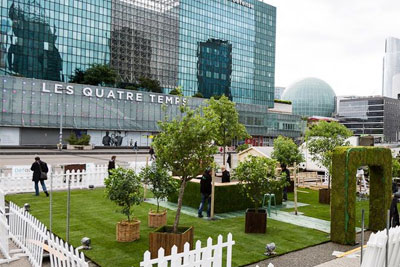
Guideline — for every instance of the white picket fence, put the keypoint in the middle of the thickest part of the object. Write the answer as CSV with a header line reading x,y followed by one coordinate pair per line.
x,y
79,180
375,254
4,228
208,256
31,236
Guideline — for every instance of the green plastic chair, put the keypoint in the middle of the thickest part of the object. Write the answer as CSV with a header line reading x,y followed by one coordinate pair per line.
x,y
270,198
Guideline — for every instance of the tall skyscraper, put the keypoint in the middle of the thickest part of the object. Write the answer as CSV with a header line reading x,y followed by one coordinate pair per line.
x,y
391,68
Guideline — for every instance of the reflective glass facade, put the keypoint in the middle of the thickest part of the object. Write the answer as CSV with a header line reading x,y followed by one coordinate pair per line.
x,y
311,97
168,40
376,116
31,103
391,68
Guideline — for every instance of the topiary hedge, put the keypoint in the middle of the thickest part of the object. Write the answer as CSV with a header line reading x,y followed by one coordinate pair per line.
x,y
227,198
345,162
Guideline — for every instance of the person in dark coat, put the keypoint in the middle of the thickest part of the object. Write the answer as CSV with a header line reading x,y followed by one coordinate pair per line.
x,y
226,176
205,190
394,213
229,160
39,167
111,164
287,174
152,154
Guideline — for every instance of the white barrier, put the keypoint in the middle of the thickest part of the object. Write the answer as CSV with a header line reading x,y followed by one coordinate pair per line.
x,y
31,236
211,255
4,228
375,253
28,233
79,180
61,254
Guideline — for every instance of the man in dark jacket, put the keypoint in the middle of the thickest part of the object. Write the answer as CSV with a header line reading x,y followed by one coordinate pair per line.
x,y
394,213
39,167
205,190
111,164
226,176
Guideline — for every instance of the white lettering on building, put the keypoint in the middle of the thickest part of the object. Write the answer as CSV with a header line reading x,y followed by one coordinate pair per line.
x,y
242,3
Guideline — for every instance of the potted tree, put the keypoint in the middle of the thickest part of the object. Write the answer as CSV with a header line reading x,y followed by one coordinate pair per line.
x,y
256,176
161,185
124,187
322,138
184,146
81,143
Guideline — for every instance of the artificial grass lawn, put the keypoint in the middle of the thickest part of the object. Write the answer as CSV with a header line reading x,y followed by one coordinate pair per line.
x,y
322,211
94,216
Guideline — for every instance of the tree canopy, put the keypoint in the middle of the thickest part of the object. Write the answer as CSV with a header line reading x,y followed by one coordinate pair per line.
x,y
286,151
97,74
323,137
223,115
176,91
184,146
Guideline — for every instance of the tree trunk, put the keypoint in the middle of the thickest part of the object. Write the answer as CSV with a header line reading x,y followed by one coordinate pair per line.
x,y
223,158
180,200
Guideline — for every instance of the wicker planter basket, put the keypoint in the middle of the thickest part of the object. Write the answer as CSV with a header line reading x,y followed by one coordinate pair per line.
x,y
157,219
128,231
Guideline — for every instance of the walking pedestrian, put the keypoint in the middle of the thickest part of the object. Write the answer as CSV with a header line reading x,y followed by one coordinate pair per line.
x,y
205,190
151,152
394,213
229,160
111,164
135,147
40,171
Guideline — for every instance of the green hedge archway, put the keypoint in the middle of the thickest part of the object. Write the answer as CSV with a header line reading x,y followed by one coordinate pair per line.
x,y
345,162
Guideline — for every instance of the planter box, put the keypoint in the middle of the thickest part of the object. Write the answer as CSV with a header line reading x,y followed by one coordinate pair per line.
x,y
324,196
79,147
256,222
164,238
128,231
157,219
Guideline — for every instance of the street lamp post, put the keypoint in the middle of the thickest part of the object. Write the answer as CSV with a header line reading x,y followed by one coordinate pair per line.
x,y
60,144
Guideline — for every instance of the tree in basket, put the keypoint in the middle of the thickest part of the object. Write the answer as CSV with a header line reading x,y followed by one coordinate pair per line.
x,y
184,146
322,138
124,187
161,185
256,176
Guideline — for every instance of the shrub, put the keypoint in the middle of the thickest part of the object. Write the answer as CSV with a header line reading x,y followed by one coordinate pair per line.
x,y
395,168
242,147
124,187
74,140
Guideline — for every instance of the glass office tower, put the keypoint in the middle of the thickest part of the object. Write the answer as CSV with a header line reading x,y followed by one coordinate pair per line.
x,y
391,68
158,39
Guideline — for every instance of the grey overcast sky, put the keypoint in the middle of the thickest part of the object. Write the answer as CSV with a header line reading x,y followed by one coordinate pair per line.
x,y
339,41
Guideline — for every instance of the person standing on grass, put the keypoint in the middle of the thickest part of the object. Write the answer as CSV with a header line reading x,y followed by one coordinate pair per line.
x,y
111,164
205,190
40,171
287,174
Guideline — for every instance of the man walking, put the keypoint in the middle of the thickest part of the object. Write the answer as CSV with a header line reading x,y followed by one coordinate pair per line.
x,y
40,171
286,172
205,190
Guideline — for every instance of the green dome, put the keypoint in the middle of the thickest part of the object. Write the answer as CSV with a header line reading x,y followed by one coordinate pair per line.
x,y
311,97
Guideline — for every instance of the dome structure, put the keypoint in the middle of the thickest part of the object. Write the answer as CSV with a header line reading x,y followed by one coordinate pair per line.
x,y
311,97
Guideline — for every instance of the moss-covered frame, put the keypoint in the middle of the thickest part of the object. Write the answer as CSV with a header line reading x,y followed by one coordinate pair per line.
x,y
345,162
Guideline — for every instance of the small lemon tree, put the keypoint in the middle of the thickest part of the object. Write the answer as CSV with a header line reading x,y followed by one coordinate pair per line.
x,y
124,188
256,177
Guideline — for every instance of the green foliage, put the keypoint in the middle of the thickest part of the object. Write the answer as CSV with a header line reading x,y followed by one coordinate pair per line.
x,y
176,91
223,116
256,176
160,182
184,146
323,137
199,95
286,151
123,187
78,76
150,85
345,162
242,147
228,198
282,101
100,74
217,97
395,168
74,140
